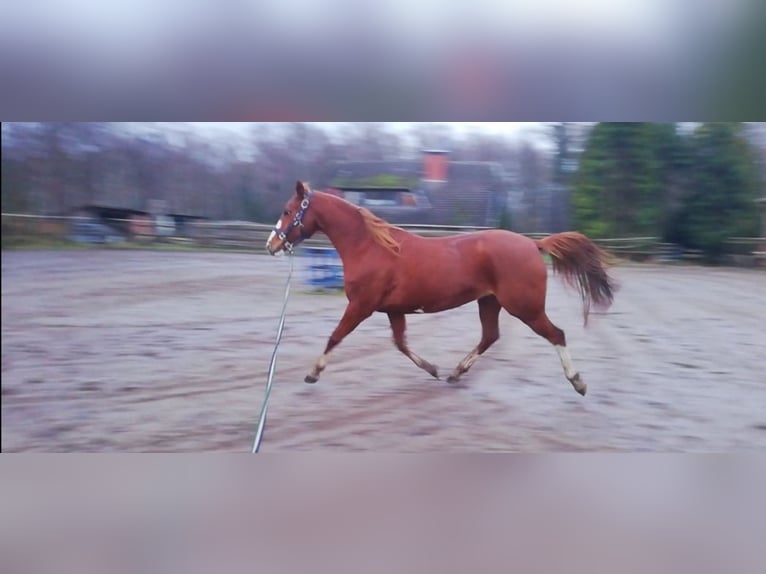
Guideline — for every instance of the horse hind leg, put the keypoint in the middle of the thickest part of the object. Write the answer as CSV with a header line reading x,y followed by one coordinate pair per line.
x,y
543,327
489,314
398,328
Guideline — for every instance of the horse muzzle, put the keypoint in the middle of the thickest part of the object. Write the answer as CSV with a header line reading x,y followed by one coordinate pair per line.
x,y
279,251
283,247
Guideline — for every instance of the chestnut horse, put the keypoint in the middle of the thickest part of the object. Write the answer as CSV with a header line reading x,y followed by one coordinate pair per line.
x,y
389,270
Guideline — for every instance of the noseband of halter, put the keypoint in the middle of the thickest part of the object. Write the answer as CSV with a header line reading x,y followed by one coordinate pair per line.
x,y
296,222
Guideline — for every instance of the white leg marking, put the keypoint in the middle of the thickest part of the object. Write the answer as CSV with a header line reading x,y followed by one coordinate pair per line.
x,y
468,362
319,365
422,363
566,362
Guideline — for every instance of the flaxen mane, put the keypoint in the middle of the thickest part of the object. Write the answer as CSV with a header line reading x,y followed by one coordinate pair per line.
x,y
380,230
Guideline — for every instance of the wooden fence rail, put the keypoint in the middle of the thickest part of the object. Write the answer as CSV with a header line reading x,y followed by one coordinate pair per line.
x,y
249,235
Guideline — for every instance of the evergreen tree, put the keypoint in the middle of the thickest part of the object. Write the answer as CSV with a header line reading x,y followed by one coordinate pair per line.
x,y
622,186
724,184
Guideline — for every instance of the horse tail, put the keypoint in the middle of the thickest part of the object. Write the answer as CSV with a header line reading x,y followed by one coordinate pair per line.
x,y
582,264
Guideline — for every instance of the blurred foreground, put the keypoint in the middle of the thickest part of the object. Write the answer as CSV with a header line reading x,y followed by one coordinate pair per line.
x,y
339,59
193,514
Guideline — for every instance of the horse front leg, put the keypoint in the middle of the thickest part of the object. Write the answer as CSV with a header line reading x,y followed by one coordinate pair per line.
x,y
398,327
352,317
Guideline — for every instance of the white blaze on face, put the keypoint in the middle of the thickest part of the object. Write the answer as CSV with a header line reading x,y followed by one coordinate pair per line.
x,y
273,234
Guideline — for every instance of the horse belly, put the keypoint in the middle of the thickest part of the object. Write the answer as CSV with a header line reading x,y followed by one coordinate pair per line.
x,y
430,300
452,299
448,292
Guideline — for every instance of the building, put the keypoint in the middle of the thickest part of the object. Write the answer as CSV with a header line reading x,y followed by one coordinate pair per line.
x,y
134,224
432,190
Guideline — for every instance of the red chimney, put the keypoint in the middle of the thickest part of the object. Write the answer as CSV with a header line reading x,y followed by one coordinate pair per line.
x,y
435,165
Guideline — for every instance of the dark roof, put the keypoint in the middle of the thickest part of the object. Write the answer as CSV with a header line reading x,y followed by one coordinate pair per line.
x,y
417,212
352,173
108,212
187,217
470,196
373,188
111,212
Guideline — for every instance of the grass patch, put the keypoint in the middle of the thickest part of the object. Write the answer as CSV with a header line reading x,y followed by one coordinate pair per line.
x,y
22,242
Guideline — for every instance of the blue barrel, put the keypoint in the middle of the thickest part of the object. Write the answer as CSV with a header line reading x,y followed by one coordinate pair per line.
x,y
324,268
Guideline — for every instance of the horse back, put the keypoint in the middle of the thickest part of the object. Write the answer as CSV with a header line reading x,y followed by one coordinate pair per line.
x,y
434,274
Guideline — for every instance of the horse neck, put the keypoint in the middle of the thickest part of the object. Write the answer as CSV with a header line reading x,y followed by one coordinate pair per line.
x,y
341,222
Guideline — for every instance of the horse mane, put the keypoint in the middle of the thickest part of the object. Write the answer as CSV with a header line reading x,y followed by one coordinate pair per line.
x,y
380,230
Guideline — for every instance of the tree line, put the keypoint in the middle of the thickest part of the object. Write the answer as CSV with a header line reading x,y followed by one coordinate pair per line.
x,y
693,185
50,168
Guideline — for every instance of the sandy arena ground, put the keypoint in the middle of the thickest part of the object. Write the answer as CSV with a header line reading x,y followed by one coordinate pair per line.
x,y
168,351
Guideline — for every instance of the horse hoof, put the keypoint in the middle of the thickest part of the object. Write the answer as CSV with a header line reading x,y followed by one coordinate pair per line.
x,y
452,379
578,385
433,372
310,379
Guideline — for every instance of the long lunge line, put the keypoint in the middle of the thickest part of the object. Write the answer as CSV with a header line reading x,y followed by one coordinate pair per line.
x,y
272,365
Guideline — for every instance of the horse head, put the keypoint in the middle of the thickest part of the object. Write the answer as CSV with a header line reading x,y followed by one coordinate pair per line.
x,y
298,221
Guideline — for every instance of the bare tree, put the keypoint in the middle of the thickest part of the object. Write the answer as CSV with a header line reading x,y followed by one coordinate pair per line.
x,y
533,181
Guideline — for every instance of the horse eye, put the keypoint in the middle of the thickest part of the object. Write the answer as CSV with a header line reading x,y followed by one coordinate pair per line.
x,y
286,212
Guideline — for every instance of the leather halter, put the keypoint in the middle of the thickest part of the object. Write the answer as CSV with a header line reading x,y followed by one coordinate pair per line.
x,y
296,222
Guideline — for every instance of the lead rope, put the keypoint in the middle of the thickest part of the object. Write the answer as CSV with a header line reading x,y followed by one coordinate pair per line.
x,y
272,365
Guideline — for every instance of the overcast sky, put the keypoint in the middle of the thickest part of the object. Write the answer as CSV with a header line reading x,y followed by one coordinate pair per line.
x,y
238,133
534,132
512,129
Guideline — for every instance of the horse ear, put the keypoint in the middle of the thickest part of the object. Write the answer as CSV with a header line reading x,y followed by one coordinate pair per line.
x,y
300,189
